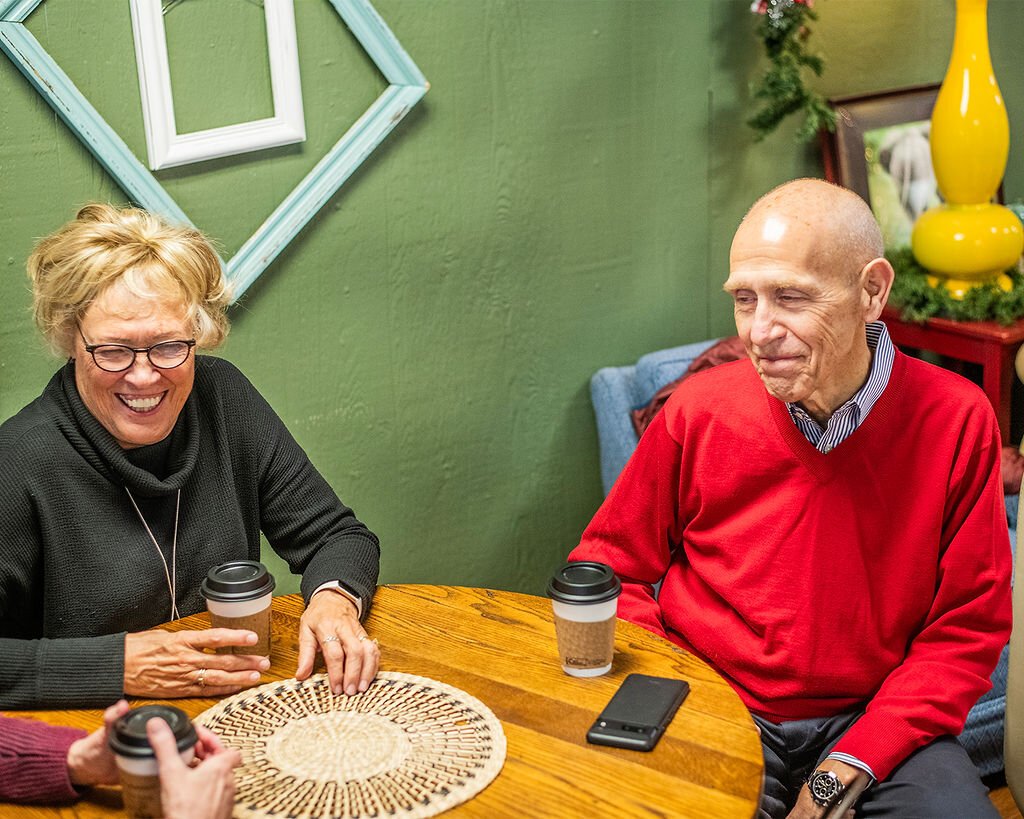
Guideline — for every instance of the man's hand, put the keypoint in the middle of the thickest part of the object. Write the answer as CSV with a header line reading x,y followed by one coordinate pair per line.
x,y
807,808
161,664
331,626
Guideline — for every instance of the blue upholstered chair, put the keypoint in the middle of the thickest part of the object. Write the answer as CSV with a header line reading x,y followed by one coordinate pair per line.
x,y
615,391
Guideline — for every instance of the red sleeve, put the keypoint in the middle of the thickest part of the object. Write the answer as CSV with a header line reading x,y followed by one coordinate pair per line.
x,y
949,661
33,761
636,526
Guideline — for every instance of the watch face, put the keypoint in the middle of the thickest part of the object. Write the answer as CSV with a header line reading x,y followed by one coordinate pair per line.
x,y
825,787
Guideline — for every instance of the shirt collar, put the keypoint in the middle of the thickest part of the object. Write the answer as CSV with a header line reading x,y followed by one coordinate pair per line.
x,y
879,371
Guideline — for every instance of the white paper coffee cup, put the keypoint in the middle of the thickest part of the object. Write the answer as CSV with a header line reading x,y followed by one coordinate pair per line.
x,y
584,599
137,765
238,595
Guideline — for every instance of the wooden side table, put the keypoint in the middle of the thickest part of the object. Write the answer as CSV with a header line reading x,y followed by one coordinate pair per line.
x,y
988,343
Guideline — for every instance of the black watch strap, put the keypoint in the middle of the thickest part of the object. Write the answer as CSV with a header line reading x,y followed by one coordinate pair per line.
x,y
825,787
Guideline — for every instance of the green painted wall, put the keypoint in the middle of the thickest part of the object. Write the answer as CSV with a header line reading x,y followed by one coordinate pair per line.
x,y
562,199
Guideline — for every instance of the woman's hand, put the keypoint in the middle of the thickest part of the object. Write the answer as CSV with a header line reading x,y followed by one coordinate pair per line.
x,y
163,664
90,760
331,626
206,791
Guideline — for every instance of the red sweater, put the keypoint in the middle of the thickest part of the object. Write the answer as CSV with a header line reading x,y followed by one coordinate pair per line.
x,y
33,761
876,576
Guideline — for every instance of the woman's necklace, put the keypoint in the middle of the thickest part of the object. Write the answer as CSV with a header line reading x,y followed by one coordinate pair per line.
x,y
172,574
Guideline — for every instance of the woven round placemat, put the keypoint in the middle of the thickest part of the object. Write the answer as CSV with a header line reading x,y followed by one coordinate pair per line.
x,y
407,746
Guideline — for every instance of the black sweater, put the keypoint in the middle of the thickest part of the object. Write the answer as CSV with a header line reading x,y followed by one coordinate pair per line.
x,y
77,569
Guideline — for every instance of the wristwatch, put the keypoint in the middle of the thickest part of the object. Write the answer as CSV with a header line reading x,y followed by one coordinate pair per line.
x,y
825,788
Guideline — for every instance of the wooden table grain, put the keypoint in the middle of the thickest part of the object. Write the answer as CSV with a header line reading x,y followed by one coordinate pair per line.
x,y
500,647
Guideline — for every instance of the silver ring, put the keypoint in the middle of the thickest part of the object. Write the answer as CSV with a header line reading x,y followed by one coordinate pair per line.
x,y
363,637
332,639
201,678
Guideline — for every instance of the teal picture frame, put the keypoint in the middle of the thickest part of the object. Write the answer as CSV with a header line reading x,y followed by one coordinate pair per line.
x,y
406,86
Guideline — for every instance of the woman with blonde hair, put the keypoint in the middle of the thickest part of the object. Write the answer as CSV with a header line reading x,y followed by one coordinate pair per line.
x,y
141,466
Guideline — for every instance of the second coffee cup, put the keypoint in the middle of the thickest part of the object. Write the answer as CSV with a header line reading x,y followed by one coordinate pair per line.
x,y
238,595
585,597
136,761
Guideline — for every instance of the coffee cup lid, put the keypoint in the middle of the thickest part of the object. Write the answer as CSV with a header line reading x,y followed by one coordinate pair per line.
x,y
237,580
584,582
129,735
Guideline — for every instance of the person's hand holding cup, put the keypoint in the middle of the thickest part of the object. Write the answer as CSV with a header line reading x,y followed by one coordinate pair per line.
x,y
136,760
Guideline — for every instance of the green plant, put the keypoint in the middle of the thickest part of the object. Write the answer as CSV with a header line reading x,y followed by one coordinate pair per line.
x,y
918,300
783,27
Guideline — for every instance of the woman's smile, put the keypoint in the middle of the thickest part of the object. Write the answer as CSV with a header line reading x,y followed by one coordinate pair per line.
x,y
139,404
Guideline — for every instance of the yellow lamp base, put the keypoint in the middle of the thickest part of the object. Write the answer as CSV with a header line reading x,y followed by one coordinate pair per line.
x,y
967,244
958,287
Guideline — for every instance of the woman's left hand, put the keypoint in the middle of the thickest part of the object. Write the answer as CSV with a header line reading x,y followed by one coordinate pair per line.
x,y
331,626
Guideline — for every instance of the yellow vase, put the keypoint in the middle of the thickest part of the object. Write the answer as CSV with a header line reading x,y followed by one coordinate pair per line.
x,y
969,240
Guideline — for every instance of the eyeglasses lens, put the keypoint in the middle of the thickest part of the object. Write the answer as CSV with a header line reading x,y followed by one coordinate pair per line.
x,y
113,358
166,355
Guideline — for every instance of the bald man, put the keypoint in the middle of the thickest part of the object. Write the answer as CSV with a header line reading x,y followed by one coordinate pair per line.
x,y
826,521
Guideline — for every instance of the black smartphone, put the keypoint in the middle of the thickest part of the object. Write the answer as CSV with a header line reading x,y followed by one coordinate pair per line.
x,y
639,712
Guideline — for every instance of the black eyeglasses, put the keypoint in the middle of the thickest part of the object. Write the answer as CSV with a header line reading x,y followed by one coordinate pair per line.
x,y
115,358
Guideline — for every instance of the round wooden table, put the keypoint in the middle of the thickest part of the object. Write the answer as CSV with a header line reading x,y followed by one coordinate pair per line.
x,y
500,647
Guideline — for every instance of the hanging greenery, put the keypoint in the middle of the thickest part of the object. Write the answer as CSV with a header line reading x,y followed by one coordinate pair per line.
x,y
783,27
917,300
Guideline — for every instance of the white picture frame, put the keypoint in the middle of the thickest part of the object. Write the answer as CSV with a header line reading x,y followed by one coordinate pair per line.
x,y
165,146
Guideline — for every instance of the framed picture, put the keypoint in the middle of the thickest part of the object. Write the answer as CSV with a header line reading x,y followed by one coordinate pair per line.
x,y
880,149
167,148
